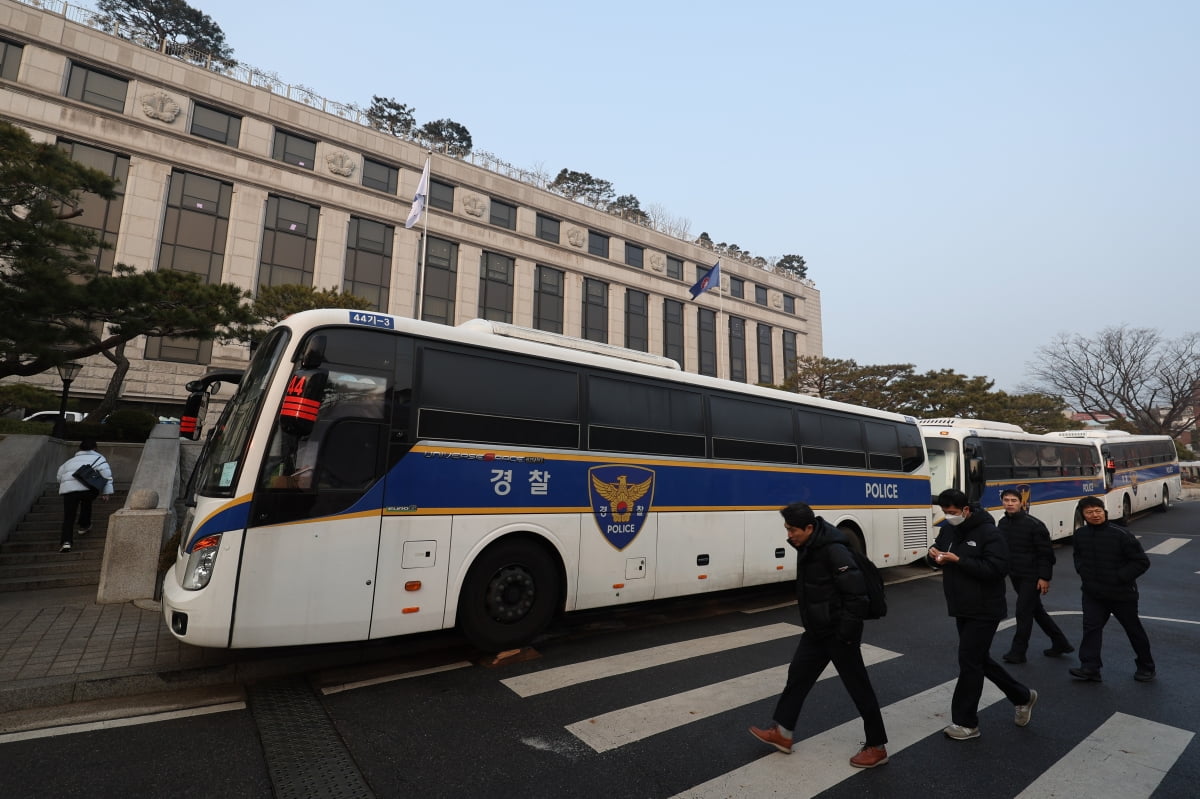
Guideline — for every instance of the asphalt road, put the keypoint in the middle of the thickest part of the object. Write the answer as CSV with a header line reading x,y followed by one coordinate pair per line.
x,y
656,702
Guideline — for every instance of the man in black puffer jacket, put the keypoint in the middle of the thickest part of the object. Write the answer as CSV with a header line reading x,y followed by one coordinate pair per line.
x,y
1109,560
1030,567
833,603
974,561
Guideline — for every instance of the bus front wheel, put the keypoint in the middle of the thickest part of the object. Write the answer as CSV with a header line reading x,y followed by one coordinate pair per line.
x,y
1165,505
510,594
1126,511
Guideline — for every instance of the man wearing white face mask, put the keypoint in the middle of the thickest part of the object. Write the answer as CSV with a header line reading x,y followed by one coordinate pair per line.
x,y
974,561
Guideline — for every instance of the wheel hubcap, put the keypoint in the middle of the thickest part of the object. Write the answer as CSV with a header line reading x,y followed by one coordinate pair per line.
x,y
510,594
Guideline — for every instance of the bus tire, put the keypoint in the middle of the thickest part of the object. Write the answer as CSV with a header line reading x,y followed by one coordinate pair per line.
x,y
855,536
1165,505
510,594
1126,511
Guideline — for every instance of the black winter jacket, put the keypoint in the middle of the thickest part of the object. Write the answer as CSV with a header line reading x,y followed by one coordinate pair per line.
x,y
1030,553
1109,560
974,586
830,589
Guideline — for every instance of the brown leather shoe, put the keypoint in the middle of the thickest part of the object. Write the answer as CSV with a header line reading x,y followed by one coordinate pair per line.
x,y
870,757
774,738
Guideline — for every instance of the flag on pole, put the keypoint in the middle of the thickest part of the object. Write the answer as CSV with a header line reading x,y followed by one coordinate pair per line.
x,y
419,198
710,279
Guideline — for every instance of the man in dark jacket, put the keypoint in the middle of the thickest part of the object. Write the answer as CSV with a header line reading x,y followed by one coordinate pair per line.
x,y
833,602
1109,560
974,560
1030,567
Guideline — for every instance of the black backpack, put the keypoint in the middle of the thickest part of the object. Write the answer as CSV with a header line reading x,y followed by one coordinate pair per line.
x,y
877,607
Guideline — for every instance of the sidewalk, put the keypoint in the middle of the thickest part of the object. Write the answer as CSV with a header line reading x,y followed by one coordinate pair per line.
x,y
64,656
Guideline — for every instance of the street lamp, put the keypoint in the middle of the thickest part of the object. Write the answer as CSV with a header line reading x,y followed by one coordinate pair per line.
x,y
67,371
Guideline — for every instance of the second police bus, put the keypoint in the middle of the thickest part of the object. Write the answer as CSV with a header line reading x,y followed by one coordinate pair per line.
x,y
983,458
376,476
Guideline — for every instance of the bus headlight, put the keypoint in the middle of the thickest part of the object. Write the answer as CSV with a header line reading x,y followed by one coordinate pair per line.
x,y
201,562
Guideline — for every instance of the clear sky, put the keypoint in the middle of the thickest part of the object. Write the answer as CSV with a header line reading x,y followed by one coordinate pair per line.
x,y
965,179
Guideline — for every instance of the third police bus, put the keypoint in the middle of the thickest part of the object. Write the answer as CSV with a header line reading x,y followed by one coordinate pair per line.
x,y
375,476
1140,472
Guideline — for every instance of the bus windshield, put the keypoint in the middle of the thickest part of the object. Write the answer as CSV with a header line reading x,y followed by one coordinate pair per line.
x,y
218,468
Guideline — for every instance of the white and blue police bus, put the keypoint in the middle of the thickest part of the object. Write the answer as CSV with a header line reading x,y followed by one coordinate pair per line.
x,y
983,458
376,476
1140,472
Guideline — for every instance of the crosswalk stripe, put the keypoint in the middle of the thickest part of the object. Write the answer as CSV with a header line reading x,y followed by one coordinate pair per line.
x,y
1126,756
1167,547
822,761
624,726
539,682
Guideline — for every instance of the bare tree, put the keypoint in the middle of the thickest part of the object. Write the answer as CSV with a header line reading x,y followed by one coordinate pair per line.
x,y
1132,374
663,221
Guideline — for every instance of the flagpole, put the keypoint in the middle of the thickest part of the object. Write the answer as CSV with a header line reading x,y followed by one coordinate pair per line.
x,y
720,311
424,246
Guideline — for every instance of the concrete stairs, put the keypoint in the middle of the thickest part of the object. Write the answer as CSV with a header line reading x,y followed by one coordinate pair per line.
x,y
29,558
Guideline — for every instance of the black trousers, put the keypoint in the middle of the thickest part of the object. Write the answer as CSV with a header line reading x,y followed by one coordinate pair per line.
x,y
813,654
1029,610
1095,615
76,502
974,664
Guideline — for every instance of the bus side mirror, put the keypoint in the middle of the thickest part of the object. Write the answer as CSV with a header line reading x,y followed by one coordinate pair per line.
x,y
193,416
302,401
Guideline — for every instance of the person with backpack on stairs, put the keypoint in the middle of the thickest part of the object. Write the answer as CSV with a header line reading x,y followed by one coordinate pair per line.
x,y
78,496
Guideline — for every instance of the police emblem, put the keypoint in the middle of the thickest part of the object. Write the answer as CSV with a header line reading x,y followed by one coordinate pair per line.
x,y
621,497
1025,491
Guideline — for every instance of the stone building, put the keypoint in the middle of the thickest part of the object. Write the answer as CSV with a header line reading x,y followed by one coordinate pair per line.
x,y
241,179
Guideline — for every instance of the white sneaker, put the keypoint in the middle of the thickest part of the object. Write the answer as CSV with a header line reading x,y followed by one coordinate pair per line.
x,y
961,733
1025,712
65,548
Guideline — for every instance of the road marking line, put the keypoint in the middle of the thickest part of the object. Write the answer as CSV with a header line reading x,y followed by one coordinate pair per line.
x,y
1167,547
1125,756
539,682
822,761
337,689
108,724
624,726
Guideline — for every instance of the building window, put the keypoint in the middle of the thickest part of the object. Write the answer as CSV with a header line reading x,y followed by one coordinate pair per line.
x,y
97,88
369,261
289,249
548,300
10,59
547,228
673,331
760,295
789,304
441,195
766,357
503,214
293,149
496,287
439,281
376,175
737,287
595,310
196,225
215,125
674,267
597,244
637,320
635,255
737,349
706,329
101,216
789,353
195,229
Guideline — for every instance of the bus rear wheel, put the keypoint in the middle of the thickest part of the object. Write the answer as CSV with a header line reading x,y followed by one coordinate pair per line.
x,y
510,594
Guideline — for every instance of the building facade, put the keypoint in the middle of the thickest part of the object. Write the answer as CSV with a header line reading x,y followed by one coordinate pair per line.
x,y
240,183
